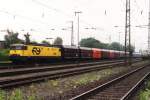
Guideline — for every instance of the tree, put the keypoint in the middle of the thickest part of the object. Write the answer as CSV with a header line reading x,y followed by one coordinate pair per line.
x,y
132,48
58,41
116,46
89,42
12,38
92,43
27,38
33,42
45,42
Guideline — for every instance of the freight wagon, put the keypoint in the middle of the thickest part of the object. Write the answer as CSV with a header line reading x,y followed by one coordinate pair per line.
x,y
27,53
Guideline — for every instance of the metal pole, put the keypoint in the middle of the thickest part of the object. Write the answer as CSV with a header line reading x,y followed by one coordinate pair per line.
x,y
72,39
78,27
128,33
119,42
130,51
78,30
149,29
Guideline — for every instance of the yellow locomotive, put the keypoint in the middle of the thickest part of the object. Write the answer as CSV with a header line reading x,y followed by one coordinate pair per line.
x,y
21,52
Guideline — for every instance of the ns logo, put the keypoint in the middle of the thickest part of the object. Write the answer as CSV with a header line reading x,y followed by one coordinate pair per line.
x,y
36,51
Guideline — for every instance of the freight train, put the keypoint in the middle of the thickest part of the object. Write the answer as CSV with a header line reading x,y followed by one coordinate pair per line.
x,y
30,53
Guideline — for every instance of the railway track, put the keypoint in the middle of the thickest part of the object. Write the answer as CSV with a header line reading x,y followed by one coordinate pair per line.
x,y
23,70
10,65
15,77
120,88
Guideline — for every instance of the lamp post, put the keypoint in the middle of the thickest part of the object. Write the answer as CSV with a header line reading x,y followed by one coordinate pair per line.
x,y
77,13
72,33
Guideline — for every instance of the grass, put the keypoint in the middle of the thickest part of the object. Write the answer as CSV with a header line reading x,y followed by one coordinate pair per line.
x,y
56,87
16,94
87,78
145,94
4,54
2,95
54,83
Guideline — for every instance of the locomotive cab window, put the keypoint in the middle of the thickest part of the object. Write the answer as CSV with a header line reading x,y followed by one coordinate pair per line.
x,y
18,47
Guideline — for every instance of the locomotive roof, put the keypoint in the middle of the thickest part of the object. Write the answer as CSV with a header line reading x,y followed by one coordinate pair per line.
x,y
45,45
68,46
17,45
85,48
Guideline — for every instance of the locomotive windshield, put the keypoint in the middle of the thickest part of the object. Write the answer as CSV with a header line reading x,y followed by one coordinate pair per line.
x,y
18,47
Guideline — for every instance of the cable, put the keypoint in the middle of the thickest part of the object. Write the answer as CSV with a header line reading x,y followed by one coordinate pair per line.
x,y
137,11
59,11
25,17
51,8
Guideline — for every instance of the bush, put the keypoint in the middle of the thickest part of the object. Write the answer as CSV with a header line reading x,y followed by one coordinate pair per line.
x,y
4,54
16,95
144,95
2,95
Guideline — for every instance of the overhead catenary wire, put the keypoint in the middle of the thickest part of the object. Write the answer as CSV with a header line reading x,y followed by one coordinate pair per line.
x,y
23,17
62,12
134,12
139,10
68,15
51,8
38,22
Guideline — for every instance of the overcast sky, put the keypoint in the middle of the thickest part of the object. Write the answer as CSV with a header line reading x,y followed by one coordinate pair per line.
x,y
39,17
